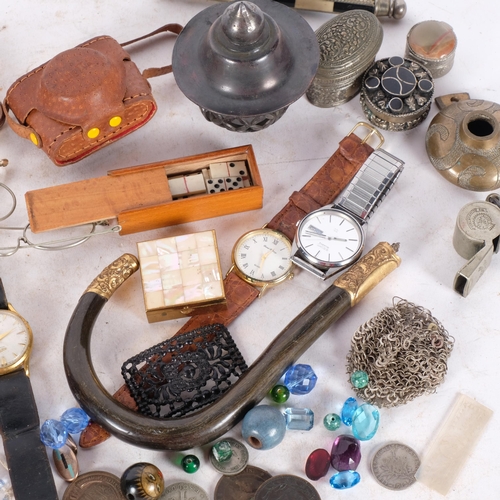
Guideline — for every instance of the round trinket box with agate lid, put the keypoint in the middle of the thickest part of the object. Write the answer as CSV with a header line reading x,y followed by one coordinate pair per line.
x,y
244,63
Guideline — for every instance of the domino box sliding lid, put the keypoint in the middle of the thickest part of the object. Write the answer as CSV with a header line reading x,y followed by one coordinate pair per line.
x,y
348,45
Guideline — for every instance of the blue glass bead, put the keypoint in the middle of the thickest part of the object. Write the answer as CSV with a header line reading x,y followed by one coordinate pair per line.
x,y
365,421
263,427
300,379
345,479
332,421
75,420
348,410
359,379
299,419
53,434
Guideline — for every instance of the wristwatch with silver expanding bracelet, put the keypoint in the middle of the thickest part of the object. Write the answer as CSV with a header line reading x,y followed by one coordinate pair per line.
x,y
331,238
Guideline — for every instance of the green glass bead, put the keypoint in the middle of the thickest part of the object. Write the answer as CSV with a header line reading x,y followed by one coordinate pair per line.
x,y
190,463
359,379
280,394
222,451
332,421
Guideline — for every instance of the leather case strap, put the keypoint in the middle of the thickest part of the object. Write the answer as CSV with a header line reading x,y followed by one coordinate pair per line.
x,y
29,467
321,190
4,303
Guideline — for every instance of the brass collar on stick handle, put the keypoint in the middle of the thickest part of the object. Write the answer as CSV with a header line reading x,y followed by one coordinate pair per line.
x,y
216,419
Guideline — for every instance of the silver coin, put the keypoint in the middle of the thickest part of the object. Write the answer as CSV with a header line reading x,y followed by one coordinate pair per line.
x,y
184,491
286,487
395,465
95,485
236,463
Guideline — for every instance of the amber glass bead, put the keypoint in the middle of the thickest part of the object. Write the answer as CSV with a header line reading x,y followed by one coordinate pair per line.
x,y
190,463
280,394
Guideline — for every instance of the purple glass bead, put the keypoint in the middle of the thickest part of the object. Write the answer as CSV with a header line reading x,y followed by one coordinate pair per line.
x,y
263,427
365,422
75,420
317,464
346,453
300,379
348,410
53,434
345,479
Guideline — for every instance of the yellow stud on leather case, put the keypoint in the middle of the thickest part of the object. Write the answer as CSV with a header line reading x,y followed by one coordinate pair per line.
x,y
34,139
93,133
115,121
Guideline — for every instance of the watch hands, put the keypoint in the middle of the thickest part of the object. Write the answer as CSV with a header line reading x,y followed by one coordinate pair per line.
x,y
317,232
3,335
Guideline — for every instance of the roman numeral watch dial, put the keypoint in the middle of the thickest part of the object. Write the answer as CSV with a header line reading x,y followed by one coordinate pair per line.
x,y
262,257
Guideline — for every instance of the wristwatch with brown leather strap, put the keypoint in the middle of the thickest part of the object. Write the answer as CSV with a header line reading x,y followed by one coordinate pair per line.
x,y
242,288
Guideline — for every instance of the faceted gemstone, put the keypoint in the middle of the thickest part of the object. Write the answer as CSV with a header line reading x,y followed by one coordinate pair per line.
x,y
263,427
332,421
365,422
359,379
280,393
346,453
317,464
190,463
345,479
300,379
299,419
75,420
348,410
53,434
222,451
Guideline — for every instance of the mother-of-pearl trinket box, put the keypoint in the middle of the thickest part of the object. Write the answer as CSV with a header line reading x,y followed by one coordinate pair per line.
x,y
181,276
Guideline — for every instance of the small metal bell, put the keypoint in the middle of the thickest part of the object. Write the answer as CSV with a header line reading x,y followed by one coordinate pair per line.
x,y
245,63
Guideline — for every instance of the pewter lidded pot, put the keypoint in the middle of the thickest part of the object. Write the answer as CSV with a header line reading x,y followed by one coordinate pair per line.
x,y
463,142
245,63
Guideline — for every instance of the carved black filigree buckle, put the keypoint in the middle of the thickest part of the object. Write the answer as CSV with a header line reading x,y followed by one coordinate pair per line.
x,y
184,373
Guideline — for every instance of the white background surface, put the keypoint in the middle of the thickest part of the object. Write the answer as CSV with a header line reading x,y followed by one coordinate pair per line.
x,y
420,213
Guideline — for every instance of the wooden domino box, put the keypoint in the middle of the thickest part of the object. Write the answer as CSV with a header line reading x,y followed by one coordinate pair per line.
x,y
140,198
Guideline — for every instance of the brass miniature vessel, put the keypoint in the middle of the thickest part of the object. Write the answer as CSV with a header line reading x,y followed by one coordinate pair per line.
x,y
463,142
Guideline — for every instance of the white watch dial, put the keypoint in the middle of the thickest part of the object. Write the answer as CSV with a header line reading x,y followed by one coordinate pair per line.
x,y
330,237
263,255
14,338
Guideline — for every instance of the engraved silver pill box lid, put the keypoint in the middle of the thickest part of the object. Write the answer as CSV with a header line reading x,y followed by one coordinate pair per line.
x,y
348,45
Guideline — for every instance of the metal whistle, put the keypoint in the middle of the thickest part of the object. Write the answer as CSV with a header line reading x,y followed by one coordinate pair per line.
x,y
381,8
476,237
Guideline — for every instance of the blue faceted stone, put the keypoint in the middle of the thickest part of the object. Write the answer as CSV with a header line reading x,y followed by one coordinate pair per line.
x,y
263,427
299,419
300,379
345,479
75,420
348,410
365,421
53,434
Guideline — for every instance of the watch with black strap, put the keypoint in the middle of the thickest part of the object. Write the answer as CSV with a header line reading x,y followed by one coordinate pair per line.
x,y
241,287
29,467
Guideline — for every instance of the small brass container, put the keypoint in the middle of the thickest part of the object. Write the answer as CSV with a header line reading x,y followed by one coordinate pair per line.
x,y
348,45
463,142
